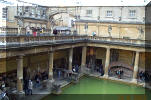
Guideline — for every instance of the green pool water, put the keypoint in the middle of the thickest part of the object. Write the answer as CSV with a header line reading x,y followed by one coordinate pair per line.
x,y
90,88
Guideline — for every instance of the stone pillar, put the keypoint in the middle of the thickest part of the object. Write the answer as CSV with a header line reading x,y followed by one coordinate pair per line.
x,y
70,58
20,74
84,52
51,65
107,62
136,67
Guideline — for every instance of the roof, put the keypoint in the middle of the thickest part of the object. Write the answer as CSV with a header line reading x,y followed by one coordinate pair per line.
x,y
149,4
80,2
91,2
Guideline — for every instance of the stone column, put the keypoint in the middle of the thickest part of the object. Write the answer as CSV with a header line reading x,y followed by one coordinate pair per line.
x,y
70,58
107,62
51,65
136,67
20,74
84,52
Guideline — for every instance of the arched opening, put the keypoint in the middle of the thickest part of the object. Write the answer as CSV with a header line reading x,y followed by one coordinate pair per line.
x,y
61,22
120,70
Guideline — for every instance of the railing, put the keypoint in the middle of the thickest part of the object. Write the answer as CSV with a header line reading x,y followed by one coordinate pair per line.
x,y
20,41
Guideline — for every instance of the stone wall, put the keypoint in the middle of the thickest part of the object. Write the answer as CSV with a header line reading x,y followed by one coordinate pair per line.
x,y
101,54
131,31
126,57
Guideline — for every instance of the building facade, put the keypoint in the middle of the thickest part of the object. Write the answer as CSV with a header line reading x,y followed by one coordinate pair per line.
x,y
24,19
111,36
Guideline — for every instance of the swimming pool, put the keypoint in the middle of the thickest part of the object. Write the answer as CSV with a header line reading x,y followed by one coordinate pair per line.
x,y
90,88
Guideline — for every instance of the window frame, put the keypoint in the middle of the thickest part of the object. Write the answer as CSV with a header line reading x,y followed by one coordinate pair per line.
x,y
108,15
88,14
26,9
134,15
4,13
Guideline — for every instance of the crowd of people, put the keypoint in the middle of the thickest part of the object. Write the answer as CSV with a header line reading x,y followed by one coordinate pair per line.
x,y
28,86
144,76
75,68
101,70
98,68
2,86
34,82
119,72
3,83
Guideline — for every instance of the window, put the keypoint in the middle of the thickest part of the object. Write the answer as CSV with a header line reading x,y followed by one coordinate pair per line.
x,y
38,11
44,12
20,9
86,26
26,9
33,11
109,13
4,13
88,12
132,13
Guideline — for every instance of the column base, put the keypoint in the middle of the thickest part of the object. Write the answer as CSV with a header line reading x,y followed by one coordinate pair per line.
x,y
105,76
134,81
20,92
20,95
50,75
51,80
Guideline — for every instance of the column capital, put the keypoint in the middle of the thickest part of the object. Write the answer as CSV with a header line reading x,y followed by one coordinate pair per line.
x,y
71,48
108,48
137,51
50,51
84,46
20,56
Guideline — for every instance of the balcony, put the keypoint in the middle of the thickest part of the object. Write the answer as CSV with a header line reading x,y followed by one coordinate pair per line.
x,y
14,31
11,31
7,42
33,16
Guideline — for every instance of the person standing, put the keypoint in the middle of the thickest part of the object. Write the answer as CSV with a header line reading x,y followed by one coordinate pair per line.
x,y
30,87
101,70
26,86
3,86
37,79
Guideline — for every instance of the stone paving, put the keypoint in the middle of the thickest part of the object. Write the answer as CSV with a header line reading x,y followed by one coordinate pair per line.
x,y
39,93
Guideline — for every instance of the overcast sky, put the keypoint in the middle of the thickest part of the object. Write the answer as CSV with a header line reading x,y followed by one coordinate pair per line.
x,y
85,2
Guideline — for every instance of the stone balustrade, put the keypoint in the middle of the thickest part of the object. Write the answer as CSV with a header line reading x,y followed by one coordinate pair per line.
x,y
12,31
17,41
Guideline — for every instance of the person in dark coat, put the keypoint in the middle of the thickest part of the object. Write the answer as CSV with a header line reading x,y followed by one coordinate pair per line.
x,y
26,86
101,70
37,79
